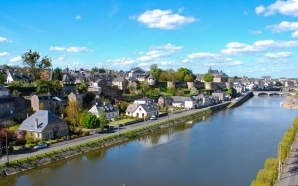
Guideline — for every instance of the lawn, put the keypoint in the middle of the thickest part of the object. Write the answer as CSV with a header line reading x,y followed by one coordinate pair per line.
x,y
115,123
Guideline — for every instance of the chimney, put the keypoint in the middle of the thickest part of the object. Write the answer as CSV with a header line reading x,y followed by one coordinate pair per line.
x,y
36,123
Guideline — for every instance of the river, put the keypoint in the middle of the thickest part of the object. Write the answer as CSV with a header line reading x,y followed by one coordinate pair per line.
x,y
226,149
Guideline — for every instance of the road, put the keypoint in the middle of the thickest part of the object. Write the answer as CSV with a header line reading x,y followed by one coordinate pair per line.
x,y
289,173
81,140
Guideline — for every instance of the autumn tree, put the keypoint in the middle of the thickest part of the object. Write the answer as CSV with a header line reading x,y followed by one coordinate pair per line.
x,y
73,112
31,59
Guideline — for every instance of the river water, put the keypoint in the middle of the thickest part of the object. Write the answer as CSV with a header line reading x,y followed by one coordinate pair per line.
x,y
225,149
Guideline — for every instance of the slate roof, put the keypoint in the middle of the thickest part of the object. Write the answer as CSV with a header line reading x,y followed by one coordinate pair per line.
x,y
4,99
3,88
147,107
44,118
180,98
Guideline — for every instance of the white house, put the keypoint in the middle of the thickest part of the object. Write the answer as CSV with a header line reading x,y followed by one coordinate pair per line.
x,y
184,102
142,108
110,111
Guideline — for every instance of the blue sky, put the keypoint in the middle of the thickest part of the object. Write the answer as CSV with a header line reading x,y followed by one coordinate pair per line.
x,y
239,37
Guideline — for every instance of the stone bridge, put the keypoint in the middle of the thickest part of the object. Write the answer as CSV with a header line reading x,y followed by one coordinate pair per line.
x,y
272,93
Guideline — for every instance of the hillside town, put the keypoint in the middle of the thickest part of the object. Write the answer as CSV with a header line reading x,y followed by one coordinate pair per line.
x,y
56,103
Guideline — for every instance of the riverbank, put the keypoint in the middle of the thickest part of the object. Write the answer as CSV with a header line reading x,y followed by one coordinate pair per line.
x,y
290,103
103,142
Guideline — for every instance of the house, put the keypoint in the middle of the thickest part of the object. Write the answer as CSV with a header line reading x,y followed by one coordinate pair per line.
x,y
78,97
184,102
203,100
289,84
13,75
218,76
222,96
3,91
164,101
6,106
142,108
151,80
110,111
42,102
44,125
136,72
120,82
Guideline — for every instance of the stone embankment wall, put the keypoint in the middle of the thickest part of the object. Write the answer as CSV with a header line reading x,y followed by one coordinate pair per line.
x,y
241,100
50,157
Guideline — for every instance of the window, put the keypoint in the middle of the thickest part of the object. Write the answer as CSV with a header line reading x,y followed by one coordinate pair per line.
x,y
140,109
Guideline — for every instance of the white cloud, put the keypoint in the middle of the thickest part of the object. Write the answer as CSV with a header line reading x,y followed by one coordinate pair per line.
x,y
70,49
168,46
61,58
15,59
78,17
295,34
255,32
186,61
235,48
166,63
285,7
144,58
163,19
122,61
4,54
57,48
3,39
284,26
260,9
279,55
77,49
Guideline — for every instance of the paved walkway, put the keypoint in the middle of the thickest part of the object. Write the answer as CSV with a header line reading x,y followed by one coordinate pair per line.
x,y
289,173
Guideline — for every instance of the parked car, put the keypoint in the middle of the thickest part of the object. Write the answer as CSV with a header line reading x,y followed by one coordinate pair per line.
x,y
40,146
153,117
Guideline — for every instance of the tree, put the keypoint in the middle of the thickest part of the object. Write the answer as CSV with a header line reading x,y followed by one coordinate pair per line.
x,y
73,112
102,118
35,65
45,86
163,76
123,106
57,74
91,121
188,78
88,99
208,77
1,78
81,88
94,69
155,71
278,84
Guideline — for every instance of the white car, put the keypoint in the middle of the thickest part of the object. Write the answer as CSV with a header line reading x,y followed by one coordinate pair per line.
x,y
40,146
153,117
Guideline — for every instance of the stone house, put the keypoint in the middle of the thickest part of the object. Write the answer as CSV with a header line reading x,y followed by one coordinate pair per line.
x,y
44,125
42,100
120,82
184,102
78,97
164,101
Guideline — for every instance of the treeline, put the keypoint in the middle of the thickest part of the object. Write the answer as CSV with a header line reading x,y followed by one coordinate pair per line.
x,y
269,174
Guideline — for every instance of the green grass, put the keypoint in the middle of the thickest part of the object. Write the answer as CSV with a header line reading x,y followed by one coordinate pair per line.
x,y
115,123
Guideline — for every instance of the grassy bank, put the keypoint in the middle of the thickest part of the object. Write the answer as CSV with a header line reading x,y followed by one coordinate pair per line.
x,y
269,174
